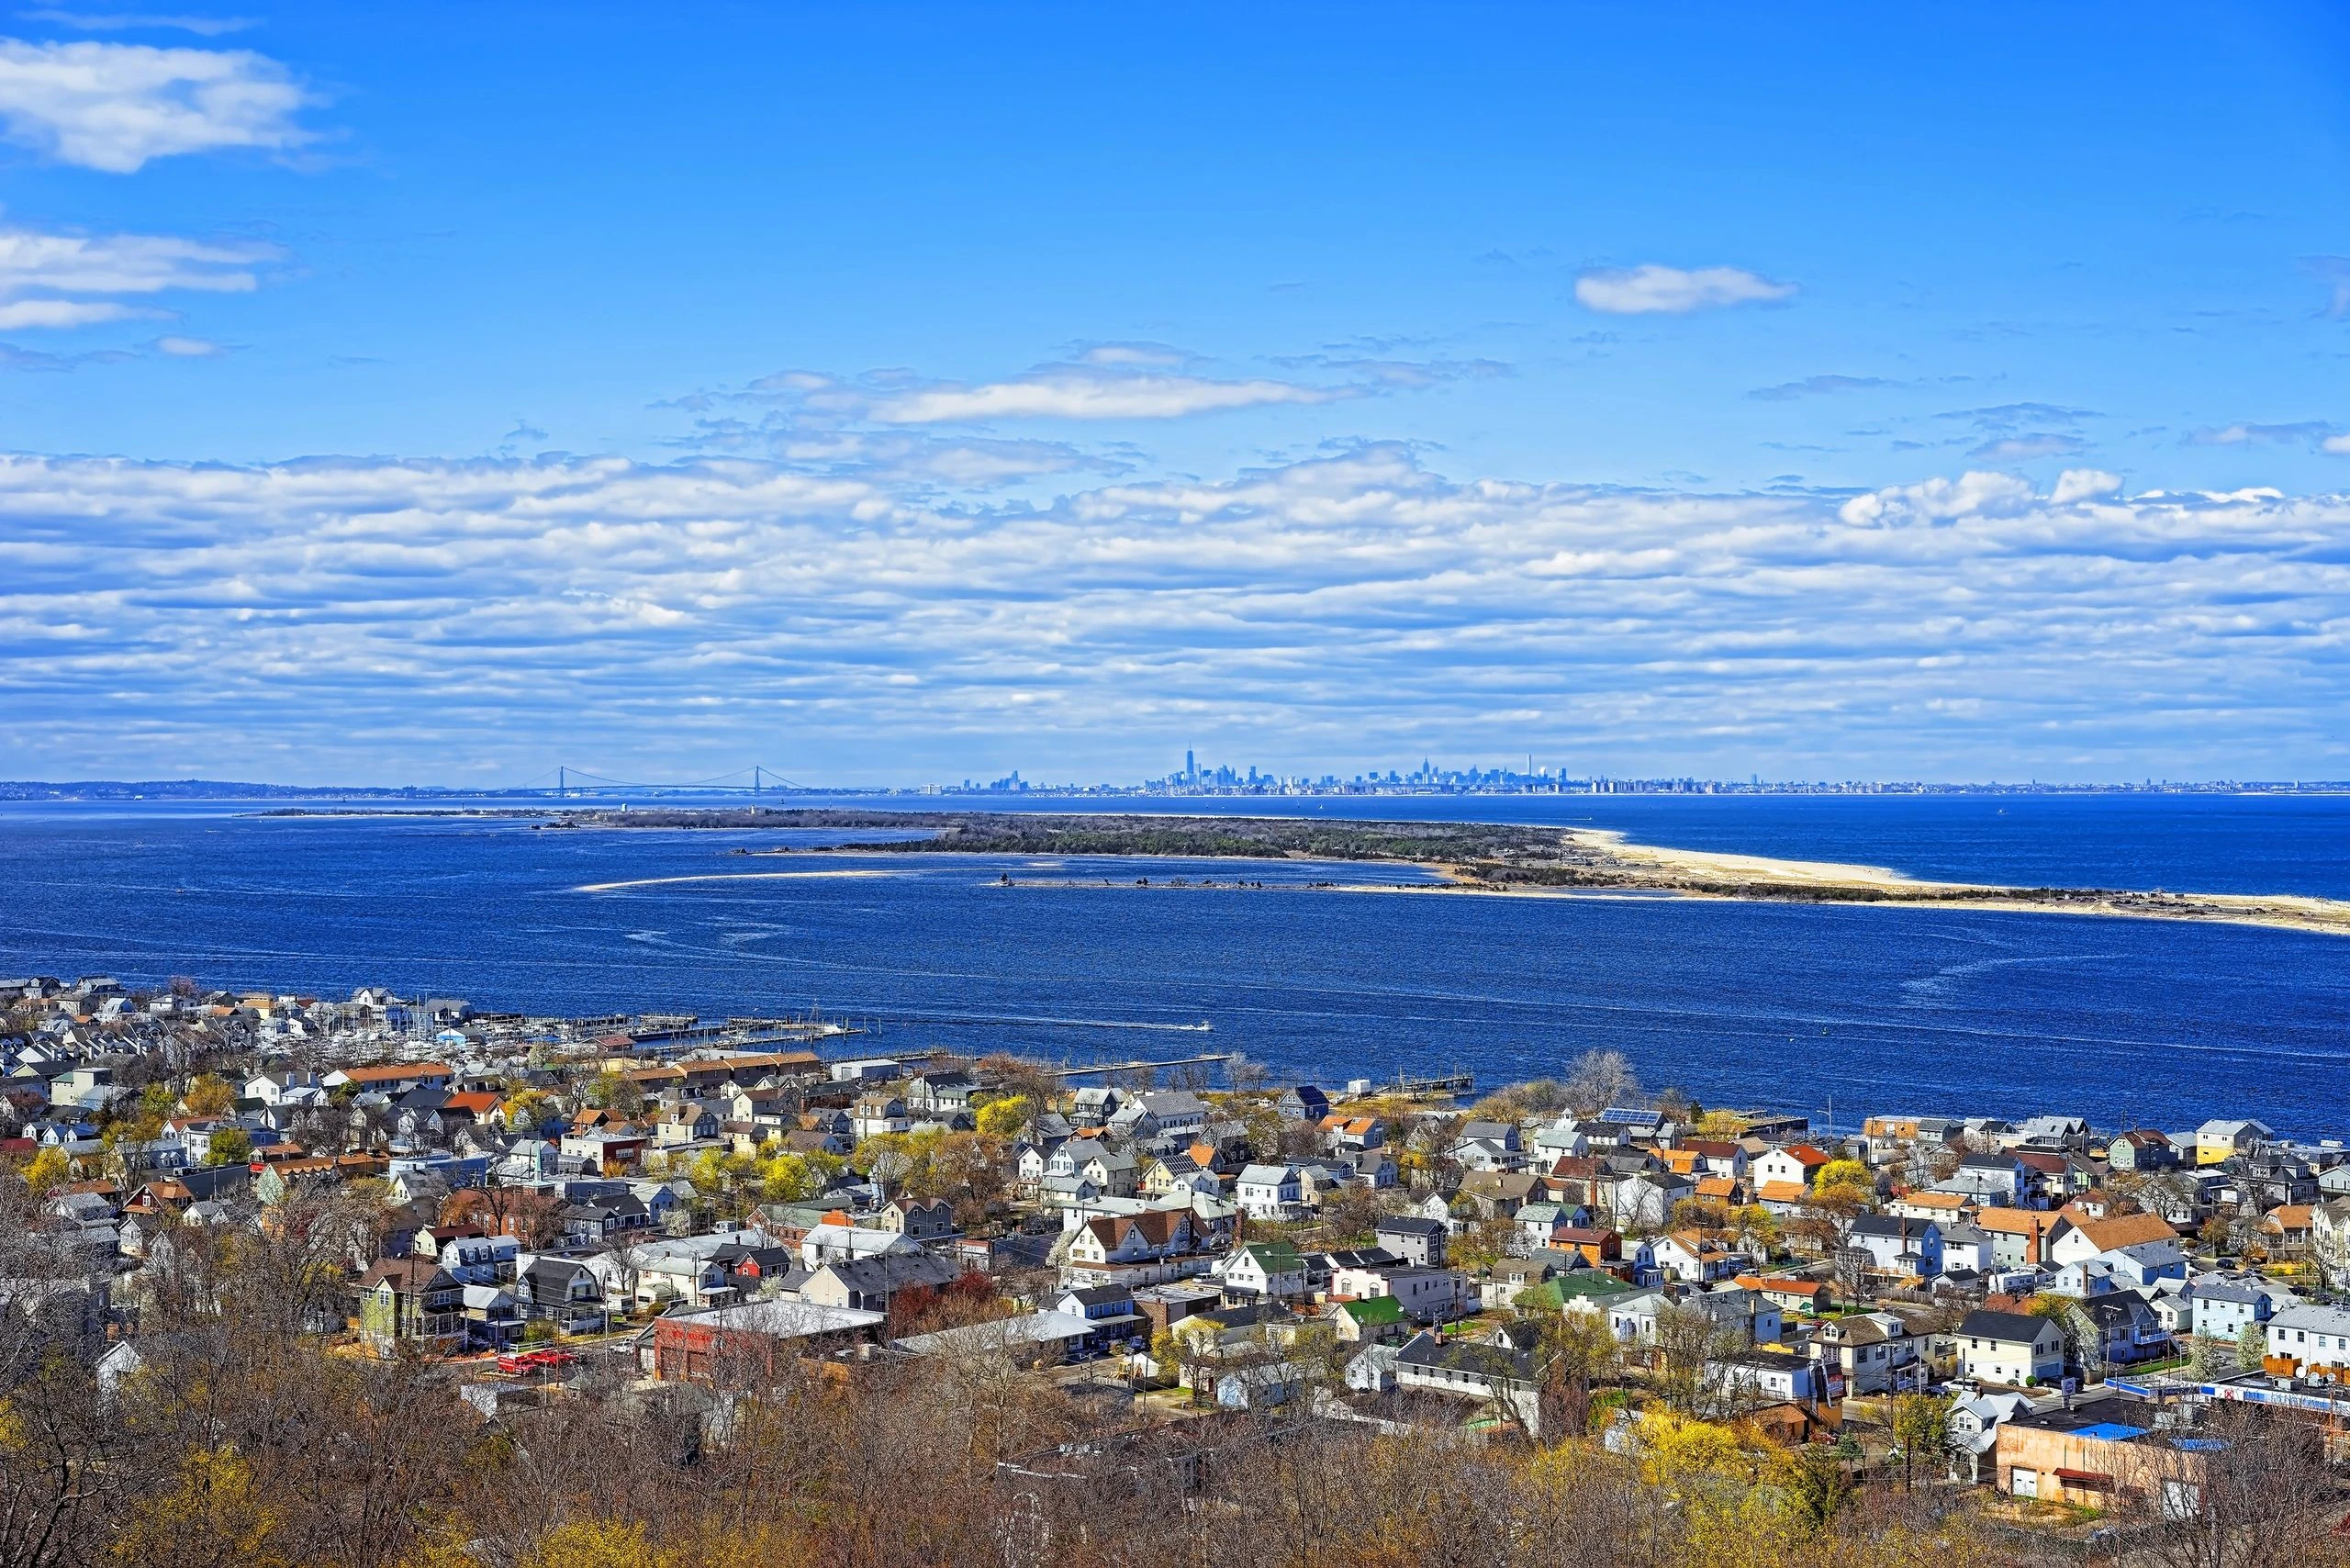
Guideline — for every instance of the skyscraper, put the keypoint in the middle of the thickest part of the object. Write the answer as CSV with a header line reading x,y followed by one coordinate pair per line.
x,y
1191,767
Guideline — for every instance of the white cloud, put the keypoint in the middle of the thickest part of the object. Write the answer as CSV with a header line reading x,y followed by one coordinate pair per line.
x,y
141,21
15,313
1972,494
362,613
187,348
125,263
1103,382
1649,289
2083,484
2337,444
1083,397
113,107
39,272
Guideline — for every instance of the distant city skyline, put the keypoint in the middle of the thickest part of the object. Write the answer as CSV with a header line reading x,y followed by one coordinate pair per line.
x,y
1836,391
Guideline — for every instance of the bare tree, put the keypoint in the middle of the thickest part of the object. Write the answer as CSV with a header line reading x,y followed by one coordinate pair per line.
x,y
2256,1494
1600,1079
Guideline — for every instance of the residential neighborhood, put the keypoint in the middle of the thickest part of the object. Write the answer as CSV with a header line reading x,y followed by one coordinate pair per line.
x,y
2028,1316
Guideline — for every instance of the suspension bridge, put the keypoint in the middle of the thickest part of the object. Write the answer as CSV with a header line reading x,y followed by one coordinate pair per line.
x,y
566,782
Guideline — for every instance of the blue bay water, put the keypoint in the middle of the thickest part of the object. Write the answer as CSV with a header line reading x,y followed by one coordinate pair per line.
x,y
1782,1005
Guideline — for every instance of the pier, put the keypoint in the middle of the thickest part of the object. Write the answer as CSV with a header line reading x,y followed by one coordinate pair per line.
x,y
1141,1066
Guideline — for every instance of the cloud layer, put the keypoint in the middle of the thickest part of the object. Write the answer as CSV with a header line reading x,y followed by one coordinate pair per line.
x,y
113,107
355,616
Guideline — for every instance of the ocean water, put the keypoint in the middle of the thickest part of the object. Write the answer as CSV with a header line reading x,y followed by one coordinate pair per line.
x,y
1865,1008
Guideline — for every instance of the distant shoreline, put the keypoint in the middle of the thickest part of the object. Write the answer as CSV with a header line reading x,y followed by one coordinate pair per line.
x,y
1465,858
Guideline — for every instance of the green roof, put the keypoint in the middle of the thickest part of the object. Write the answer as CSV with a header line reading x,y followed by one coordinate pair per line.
x,y
1277,1257
1588,1283
1373,1309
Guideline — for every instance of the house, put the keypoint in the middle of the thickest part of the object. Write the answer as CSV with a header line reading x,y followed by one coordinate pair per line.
x,y
2019,1236
2139,1264
1796,1162
1180,1114
1634,1316
1687,1256
288,1086
1500,1373
1108,1312
1975,1425
1873,1352
1093,1106
2125,1329
2225,1305
2220,1140
1414,1239
1498,1194
1303,1104
1263,1270
1502,1135
918,1220
410,1298
1946,1209
940,1092
1425,1295
587,1221
1898,1246
1767,1373
603,1151
2075,1235
870,1284
1269,1191
2141,1150
1109,1171
2288,1228
1106,1241
2314,1339
394,1079
1352,1135
1645,1201
1370,1320
477,1259
834,1239
877,1115
2012,1347
1597,1246
561,1291
1790,1292
2001,1181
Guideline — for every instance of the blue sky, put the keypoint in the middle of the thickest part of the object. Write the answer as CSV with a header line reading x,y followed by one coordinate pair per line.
x,y
904,393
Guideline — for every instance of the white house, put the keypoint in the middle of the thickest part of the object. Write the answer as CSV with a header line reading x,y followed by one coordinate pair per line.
x,y
1269,1191
1796,1162
2316,1337
1265,1269
1425,1295
2013,1347
1633,1319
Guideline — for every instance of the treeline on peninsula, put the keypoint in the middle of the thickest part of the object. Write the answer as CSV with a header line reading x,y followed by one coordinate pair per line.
x,y
1006,833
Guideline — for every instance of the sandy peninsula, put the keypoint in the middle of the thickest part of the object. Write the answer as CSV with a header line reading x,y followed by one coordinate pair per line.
x,y
1476,858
